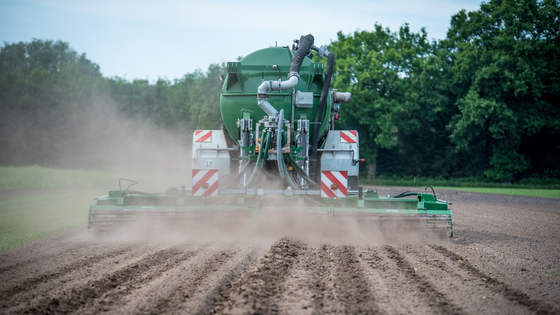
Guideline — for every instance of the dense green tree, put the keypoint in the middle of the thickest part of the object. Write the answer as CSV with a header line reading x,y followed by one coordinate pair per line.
x,y
57,110
482,101
43,86
189,103
205,98
504,74
397,100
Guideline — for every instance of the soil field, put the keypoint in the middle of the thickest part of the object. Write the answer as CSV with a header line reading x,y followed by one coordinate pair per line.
x,y
504,258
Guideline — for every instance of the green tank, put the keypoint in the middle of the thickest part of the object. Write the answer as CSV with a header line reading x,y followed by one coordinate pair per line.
x,y
239,90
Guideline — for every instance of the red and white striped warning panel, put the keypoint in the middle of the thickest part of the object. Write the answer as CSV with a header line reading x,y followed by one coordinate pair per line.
x,y
348,136
334,184
204,182
203,136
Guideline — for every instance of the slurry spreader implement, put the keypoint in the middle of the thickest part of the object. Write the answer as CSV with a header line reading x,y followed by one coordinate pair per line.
x,y
277,152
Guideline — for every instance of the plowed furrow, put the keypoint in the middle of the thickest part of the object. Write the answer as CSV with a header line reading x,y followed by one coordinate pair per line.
x,y
193,286
461,287
179,297
208,293
385,279
10,260
304,289
9,289
437,300
86,294
259,289
352,286
496,285
142,276
325,295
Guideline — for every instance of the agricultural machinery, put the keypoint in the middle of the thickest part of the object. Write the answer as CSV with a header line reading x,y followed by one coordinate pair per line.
x,y
277,152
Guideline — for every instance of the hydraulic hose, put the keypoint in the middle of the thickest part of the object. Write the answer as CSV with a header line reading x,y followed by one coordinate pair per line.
x,y
405,194
289,180
265,154
259,161
305,43
301,171
282,170
319,115
279,155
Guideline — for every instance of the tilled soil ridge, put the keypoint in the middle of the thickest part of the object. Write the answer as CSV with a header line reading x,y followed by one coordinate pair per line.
x,y
504,259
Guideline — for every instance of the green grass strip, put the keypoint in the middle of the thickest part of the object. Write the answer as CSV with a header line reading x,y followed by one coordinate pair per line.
x,y
541,193
39,177
61,204
25,219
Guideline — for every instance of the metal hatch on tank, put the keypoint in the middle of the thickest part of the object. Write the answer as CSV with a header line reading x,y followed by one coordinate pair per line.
x,y
278,151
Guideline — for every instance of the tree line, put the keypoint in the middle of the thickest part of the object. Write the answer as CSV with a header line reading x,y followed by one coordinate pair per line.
x,y
56,109
483,102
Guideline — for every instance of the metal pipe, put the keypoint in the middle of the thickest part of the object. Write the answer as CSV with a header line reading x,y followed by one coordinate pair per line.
x,y
266,86
279,156
278,85
293,77
267,108
242,171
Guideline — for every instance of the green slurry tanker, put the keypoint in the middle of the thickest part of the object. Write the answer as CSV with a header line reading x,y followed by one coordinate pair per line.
x,y
277,152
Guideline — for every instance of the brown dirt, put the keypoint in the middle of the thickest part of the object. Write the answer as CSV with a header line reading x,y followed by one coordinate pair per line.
x,y
505,258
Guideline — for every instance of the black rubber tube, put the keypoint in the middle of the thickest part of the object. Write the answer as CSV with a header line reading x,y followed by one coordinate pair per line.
x,y
279,155
319,116
289,181
258,163
301,171
405,194
305,43
265,157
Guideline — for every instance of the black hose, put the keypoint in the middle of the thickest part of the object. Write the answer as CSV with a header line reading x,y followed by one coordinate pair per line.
x,y
279,155
405,194
301,171
319,116
289,180
305,43
265,155
259,161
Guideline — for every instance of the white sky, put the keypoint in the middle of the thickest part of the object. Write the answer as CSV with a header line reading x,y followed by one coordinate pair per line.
x,y
168,38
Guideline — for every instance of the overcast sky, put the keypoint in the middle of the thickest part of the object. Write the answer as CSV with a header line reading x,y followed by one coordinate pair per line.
x,y
168,38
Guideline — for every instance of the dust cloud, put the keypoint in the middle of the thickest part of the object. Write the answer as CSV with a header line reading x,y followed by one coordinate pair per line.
x,y
274,221
111,139
273,225
104,138
92,135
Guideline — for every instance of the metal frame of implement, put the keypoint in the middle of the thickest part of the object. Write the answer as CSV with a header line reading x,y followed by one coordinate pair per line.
x,y
123,206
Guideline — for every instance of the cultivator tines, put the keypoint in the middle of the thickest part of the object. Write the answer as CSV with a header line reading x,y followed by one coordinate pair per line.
x,y
183,209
